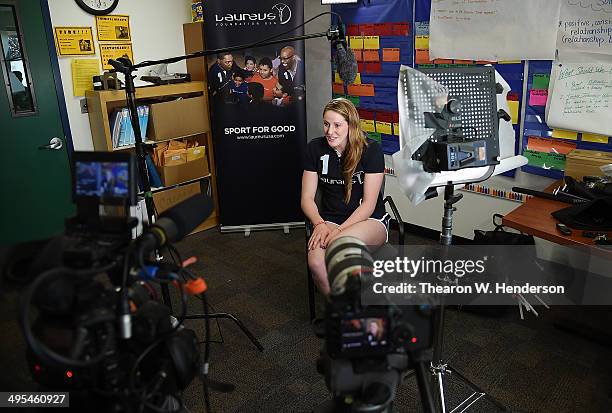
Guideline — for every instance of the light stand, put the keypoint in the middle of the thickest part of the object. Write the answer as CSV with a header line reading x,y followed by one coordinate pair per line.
x,y
463,148
125,66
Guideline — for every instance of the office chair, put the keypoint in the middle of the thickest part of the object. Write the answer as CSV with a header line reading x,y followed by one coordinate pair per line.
x,y
309,228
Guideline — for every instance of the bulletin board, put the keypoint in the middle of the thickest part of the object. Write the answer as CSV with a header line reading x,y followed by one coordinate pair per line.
x,y
375,33
381,36
546,148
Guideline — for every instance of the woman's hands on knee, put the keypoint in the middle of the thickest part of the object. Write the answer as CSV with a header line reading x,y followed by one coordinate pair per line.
x,y
319,234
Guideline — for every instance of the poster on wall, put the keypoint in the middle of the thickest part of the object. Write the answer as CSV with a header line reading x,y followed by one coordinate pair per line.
x,y
257,100
113,28
83,71
74,41
114,51
494,30
585,26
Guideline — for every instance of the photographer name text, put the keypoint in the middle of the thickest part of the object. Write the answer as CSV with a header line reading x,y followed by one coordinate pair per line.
x,y
478,288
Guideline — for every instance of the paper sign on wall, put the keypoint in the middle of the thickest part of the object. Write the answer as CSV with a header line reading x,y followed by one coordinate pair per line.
x,y
113,28
114,51
74,41
585,26
494,30
581,97
83,71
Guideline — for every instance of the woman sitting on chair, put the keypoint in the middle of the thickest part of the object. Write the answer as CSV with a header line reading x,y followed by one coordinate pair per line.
x,y
348,169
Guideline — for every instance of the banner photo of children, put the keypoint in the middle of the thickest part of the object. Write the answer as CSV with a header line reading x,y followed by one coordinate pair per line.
x,y
258,109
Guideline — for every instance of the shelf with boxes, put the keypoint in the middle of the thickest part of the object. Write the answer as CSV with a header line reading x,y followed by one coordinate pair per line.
x,y
175,123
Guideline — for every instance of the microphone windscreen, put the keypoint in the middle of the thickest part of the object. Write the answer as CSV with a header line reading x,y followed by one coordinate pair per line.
x,y
346,63
188,214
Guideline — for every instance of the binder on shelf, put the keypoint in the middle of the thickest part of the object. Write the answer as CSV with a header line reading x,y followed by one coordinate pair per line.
x,y
121,127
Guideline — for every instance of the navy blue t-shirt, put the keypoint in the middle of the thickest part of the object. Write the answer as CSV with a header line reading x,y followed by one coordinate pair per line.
x,y
323,159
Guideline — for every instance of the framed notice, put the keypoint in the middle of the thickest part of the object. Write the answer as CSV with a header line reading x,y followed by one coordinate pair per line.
x,y
113,28
114,51
74,41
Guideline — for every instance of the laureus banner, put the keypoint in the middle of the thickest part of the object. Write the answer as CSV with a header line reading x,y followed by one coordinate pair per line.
x,y
257,98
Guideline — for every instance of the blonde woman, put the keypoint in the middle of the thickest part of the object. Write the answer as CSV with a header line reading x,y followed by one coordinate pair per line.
x,y
348,169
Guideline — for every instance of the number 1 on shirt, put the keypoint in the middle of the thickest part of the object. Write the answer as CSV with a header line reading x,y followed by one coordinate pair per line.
x,y
325,159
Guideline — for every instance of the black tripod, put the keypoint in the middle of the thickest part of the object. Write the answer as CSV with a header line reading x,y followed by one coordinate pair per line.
x,y
439,368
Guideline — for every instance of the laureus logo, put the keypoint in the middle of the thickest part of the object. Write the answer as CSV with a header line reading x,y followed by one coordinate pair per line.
x,y
284,12
280,14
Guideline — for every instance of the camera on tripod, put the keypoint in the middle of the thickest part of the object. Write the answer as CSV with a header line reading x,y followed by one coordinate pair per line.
x,y
99,330
368,348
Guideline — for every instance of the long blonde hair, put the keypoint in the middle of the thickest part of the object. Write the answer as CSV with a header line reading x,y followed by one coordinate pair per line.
x,y
356,143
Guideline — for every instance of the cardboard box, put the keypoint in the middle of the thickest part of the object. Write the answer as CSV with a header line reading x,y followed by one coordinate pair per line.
x,y
176,174
168,198
178,118
580,163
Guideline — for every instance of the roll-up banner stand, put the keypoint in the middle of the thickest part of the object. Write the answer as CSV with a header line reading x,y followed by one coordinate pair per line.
x,y
257,99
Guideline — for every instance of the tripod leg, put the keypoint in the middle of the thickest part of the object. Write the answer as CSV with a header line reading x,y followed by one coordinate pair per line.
x,y
235,320
478,389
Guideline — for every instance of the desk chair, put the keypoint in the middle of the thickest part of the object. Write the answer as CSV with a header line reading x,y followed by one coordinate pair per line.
x,y
309,228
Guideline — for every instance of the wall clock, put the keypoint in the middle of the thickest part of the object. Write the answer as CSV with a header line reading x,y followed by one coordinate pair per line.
x,y
97,7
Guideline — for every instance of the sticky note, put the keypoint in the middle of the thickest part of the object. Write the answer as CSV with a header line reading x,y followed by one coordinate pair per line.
x,y
383,29
535,143
361,90
564,134
357,80
513,105
395,117
561,147
366,114
483,62
367,125
354,99
337,88
367,29
356,42
384,127
373,67
538,97
508,62
396,129
352,30
401,29
463,62
361,66
540,81
391,55
421,42
443,61
337,78
591,137
371,56
371,42
358,55
384,116
422,57
375,136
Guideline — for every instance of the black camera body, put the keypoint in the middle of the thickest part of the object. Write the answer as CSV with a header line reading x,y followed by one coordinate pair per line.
x,y
100,330
367,347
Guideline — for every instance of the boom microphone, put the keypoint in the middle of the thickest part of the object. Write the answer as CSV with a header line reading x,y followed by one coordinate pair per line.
x,y
177,222
344,59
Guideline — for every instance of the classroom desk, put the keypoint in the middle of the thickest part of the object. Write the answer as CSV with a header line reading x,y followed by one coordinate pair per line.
x,y
533,217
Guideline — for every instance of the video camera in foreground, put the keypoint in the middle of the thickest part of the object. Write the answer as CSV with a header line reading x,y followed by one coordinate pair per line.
x,y
99,329
368,349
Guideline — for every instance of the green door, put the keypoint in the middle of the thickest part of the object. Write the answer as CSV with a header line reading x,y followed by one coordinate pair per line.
x,y
36,183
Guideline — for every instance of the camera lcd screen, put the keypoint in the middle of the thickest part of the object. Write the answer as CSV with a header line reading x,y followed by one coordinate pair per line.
x,y
364,333
106,177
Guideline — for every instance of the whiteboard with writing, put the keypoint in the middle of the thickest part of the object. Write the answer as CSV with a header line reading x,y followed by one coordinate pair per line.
x,y
580,97
493,30
585,26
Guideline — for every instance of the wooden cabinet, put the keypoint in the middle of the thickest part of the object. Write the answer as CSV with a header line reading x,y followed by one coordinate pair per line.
x,y
177,111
